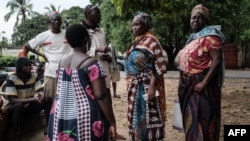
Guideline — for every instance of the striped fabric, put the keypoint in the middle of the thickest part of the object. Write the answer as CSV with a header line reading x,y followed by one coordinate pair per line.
x,y
75,112
16,87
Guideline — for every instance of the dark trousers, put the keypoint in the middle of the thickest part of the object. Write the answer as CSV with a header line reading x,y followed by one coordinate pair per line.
x,y
18,112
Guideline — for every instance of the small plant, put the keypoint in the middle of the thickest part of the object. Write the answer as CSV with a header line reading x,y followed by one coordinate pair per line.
x,y
7,61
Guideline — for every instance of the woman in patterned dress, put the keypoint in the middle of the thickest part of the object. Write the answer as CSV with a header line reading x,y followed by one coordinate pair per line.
x,y
145,66
201,77
82,109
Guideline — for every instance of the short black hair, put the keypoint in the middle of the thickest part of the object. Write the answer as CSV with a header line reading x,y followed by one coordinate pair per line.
x,y
78,36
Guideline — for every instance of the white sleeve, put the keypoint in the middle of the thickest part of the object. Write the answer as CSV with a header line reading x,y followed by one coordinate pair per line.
x,y
37,41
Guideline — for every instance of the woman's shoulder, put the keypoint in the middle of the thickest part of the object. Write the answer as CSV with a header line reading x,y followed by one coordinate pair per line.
x,y
151,39
87,62
213,40
75,60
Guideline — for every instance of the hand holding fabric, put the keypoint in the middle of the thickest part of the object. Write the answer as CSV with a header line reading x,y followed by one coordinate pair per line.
x,y
200,86
151,92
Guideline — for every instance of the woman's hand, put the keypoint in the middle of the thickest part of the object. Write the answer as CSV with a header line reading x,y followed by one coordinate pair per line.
x,y
200,86
151,88
151,92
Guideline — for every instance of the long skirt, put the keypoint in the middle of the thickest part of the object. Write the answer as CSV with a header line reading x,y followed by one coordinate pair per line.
x,y
146,119
201,111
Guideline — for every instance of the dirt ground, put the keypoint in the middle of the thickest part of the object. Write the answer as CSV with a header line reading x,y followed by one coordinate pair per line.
x,y
235,109
235,106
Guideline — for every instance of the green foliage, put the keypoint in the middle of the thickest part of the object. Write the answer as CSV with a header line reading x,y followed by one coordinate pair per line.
x,y
121,35
117,28
72,16
3,42
7,61
246,35
171,19
52,8
22,9
29,29
125,7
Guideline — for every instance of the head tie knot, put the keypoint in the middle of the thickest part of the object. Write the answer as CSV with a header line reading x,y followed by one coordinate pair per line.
x,y
200,9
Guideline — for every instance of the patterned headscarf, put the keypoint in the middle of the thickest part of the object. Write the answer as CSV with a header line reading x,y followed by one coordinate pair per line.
x,y
201,9
89,8
146,18
54,13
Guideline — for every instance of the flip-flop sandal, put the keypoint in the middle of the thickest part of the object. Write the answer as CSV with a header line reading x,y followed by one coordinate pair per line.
x,y
120,137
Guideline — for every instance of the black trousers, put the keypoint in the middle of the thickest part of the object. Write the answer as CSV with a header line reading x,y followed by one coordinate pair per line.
x,y
18,112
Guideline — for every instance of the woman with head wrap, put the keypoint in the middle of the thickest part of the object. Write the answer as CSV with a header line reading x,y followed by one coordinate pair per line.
x,y
145,66
201,77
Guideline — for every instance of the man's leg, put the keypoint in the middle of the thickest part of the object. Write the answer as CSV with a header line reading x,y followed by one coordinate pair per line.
x,y
50,86
16,118
47,103
3,123
114,90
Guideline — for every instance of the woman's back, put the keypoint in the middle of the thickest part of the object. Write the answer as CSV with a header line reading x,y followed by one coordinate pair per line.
x,y
75,109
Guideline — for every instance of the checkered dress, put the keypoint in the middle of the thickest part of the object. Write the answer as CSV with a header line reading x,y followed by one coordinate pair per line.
x,y
75,115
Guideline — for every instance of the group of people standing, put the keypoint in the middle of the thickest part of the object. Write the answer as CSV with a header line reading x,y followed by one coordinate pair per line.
x,y
77,80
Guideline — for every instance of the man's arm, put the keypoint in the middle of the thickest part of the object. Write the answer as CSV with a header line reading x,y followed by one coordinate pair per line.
x,y
28,47
38,96
14,99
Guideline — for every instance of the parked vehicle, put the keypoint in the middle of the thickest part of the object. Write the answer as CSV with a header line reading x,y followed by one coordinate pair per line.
x,y
120,63
3,76
36,67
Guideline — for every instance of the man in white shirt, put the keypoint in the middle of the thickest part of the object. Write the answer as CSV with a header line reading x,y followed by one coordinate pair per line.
x,y
54,46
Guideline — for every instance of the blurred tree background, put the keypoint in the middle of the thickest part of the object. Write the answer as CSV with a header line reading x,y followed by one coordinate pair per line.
x,y
170,18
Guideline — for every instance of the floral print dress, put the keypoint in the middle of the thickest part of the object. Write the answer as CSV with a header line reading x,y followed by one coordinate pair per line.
x,y
75,114
146,119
